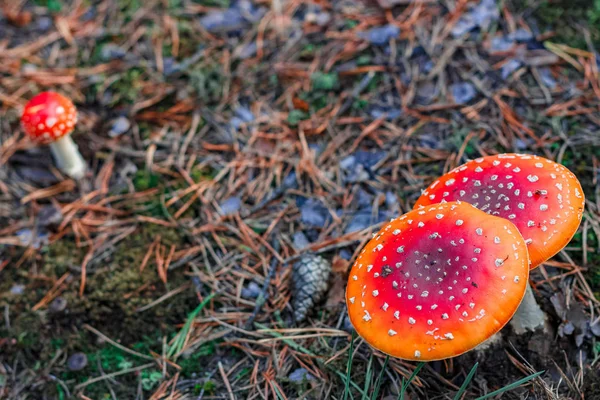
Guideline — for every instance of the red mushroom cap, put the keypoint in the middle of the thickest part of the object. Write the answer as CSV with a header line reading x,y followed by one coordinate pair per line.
x,y
438,281
48,116
542,198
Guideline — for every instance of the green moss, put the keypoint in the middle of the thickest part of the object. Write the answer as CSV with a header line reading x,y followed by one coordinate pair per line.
x,y
295,116
207,387
564,17
53,5
325,81
360,104
150,378
200,174
144,180
207,81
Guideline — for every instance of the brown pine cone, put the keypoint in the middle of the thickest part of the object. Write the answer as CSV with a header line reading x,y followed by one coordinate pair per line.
x,y
310,275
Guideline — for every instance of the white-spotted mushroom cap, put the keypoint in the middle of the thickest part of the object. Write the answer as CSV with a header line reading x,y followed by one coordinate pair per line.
x,y
48,116
542,198
436,282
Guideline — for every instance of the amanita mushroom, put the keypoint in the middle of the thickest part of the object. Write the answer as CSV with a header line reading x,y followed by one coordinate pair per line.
x,y
543,199
49,118
438,281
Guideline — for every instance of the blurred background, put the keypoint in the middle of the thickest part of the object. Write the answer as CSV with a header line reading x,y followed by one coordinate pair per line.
x,y
240,153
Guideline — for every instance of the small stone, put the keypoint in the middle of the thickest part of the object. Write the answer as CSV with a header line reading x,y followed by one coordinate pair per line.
x,y
509,67
290,181
464,25
347,255
28,68
77,362
223,21
426,93
170,66
246,51
547,78
111,51
300,240
480,16
391,201
59,304
387,113
43,24
501,44
364,219
364,199
568,328
239,15
252,291
244,114
119,126
49,215
369,158
521,35
26,237
299,375
430,141
522,145
347,325
17,289
348,162
359,222
230,205
380,36
41,176
313,213
485,13
463,92
595,328
317,17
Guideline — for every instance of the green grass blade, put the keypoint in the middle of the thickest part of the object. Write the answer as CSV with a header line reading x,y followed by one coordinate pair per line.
x,y
368,377
379,379
414,374
354,385
289,342
511,386
468,379
279,395
179,341
410,379
402,390
349,366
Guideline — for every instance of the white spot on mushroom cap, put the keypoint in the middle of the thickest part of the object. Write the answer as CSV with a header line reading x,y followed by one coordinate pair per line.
x,y
367,316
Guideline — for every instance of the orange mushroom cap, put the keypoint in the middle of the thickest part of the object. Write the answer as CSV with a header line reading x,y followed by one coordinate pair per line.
x,y
542,198
438,281
48,116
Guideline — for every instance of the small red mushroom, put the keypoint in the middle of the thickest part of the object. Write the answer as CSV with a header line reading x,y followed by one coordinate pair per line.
x,y
542,198
49,118
438,281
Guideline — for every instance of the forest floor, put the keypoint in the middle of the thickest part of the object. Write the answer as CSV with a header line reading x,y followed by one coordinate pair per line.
x,y
227,139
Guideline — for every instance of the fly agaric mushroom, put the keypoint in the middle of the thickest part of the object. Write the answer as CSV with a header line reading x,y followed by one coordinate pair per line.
x,y
438,281
543,199
49,118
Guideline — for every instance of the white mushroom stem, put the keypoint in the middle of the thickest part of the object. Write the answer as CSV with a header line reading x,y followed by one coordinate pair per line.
x,y
529,315
67,157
